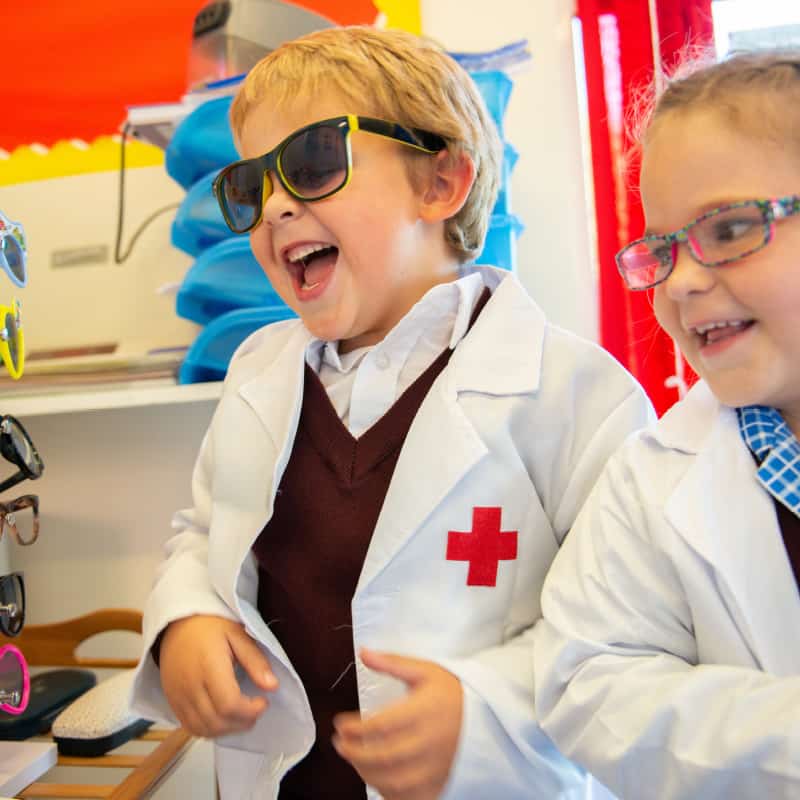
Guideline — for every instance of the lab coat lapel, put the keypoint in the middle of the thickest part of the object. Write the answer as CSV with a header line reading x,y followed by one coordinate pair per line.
x,y
719,509
275,394
442,445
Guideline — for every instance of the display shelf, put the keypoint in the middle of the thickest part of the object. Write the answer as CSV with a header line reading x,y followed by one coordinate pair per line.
x,y
106,396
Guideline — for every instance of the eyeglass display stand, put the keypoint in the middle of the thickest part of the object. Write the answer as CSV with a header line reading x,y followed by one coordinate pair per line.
x,y
5,556
144,773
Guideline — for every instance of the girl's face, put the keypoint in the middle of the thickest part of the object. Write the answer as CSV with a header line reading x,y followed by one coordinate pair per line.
x,y
693,162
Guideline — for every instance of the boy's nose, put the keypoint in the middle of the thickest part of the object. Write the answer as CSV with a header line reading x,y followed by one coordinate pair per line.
x,y
688,276
279,205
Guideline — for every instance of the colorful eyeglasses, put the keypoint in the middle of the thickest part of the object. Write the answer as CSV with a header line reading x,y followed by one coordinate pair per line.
x,y
718,237
12,342
17,447
15,680
12,603
22,525
312,163
13,252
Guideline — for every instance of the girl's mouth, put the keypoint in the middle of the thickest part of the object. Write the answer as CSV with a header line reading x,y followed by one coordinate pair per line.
x,y
718,331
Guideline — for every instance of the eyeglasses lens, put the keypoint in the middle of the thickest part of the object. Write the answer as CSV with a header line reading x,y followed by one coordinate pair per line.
x,y
645,263
13,339
315,162
729,234
11,679
21,515
12,603
12,250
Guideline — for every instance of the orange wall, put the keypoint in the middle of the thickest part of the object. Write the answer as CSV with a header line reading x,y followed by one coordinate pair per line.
x,y
70,68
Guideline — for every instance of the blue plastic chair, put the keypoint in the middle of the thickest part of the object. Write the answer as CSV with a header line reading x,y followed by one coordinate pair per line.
x,y
208,357
223,278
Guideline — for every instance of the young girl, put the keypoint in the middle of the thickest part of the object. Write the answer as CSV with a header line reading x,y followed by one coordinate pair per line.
x,y
668,661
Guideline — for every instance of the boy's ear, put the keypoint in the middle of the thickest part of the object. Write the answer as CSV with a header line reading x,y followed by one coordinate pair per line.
x,y
449,182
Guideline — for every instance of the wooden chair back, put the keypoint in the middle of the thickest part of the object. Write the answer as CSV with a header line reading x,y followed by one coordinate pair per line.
x,y
56,645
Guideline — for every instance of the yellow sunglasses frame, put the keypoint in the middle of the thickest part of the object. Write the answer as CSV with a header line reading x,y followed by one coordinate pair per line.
x,y
5,350
416,138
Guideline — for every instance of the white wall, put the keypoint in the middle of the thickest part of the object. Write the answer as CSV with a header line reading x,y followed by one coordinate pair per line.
x,y
542,122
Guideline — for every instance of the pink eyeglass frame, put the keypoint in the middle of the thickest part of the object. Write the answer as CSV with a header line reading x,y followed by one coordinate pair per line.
x,y
26,680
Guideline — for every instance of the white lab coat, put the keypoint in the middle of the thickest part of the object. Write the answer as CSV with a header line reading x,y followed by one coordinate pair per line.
x,y
668,661
523,418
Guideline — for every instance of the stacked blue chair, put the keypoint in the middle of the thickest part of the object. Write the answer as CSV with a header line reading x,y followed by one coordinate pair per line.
x,y
225,289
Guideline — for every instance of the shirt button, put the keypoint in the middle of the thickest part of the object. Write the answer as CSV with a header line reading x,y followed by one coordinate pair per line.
x,y
382,361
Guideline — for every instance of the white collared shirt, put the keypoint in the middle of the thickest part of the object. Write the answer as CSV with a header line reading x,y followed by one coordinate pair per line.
x,y
364,384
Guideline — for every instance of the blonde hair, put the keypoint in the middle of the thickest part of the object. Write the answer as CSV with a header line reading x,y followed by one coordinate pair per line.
x,y
757,92
396,76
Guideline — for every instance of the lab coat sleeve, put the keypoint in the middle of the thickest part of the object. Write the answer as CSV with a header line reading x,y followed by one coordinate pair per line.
x,y
182,588
618,684
501,746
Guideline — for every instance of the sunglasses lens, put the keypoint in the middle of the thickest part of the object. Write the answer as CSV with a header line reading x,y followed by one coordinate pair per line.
x,y
11,679
12,603
314,163
25,449
15,257
10,323
241,195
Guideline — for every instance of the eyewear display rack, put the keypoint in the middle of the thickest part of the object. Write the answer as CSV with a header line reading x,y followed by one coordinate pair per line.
x,y
118,464
57,645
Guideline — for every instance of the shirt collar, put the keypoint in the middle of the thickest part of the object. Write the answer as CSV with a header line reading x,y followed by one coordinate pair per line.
x,y
444,309
762,428
766,433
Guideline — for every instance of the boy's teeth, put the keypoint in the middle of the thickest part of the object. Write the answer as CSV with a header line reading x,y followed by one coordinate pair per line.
x,y
303,251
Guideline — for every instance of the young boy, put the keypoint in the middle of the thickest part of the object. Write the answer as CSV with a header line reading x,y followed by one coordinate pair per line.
x,y
386,480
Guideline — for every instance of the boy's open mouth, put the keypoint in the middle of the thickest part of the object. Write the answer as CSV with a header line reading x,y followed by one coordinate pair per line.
x,y
310,264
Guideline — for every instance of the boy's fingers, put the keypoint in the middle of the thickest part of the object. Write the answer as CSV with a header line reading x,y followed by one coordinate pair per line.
x,y
412,671
247,653
395,719
231,705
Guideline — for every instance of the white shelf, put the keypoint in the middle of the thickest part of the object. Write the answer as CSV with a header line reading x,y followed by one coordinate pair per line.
x,y
106,396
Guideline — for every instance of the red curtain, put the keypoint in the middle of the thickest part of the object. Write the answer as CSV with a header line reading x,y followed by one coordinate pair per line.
x,y
618,54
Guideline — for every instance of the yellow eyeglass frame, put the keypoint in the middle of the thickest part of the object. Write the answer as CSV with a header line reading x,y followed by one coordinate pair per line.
x,y
12,311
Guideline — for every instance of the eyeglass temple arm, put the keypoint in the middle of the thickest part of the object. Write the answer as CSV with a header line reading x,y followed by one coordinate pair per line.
x,y
413,136
16,478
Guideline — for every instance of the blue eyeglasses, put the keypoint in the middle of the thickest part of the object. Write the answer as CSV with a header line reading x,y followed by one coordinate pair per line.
x,y
13,252
718,237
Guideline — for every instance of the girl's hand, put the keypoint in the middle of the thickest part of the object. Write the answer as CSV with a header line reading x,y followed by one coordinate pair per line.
x,y
197,660
406,750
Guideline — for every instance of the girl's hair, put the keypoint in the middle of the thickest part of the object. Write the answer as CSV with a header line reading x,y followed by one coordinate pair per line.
x,y
758,92
397,76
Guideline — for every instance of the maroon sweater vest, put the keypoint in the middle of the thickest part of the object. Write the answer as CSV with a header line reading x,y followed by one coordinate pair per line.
x,y
790,530
310,556
789,523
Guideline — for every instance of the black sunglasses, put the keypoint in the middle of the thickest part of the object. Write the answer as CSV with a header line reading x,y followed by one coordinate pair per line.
x,y
16,446
312,163
12,603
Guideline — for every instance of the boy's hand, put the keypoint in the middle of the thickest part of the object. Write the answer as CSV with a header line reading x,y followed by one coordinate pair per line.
x,y
197,659
406,750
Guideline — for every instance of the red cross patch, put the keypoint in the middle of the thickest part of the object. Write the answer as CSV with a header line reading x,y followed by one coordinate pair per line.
x,y
483,547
